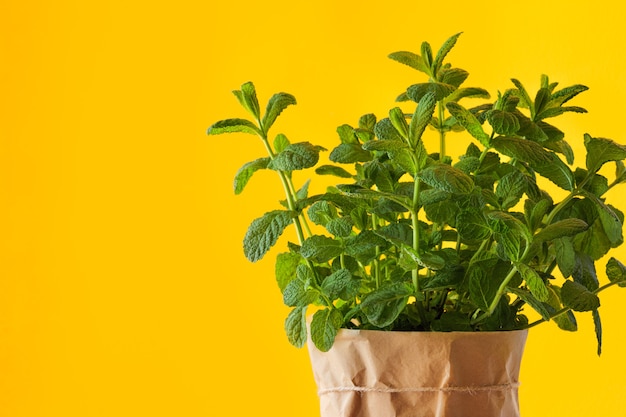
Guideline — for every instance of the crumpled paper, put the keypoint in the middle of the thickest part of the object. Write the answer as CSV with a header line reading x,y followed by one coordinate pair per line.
x,y
370,373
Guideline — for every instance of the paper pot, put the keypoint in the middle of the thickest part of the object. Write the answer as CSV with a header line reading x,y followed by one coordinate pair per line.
x,y
419,374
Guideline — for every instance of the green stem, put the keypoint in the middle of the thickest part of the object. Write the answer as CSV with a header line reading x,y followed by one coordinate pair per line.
x,y
442,133
416,231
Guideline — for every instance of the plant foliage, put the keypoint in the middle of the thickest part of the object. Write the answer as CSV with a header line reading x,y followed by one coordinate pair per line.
x,y
415,240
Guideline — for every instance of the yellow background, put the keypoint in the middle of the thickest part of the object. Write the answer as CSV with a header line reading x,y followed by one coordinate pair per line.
x,y
123,288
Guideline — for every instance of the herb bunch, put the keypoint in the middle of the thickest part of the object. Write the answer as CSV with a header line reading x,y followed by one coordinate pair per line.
x,y
415,240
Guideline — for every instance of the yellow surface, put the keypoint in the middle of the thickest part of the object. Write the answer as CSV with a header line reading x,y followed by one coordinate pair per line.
x,y
123,289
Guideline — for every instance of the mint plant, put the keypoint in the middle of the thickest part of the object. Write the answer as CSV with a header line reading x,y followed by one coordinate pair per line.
x,y
417,240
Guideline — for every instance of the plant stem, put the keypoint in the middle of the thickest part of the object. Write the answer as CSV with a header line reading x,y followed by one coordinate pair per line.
x,y
442,133
416,232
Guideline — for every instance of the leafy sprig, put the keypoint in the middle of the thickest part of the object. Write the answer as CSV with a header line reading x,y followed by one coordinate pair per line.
x,y
418,241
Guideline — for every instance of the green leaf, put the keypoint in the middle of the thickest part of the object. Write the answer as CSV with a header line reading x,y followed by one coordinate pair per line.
x,y
385,145
578,298
524,97
469,122
427,55
341,227
296,156
483,287
447,178
601,151
471,224
616,272
566,321
503,122
321,248
298,292
383,306
421,117
611,222
443,51
346,134
385,130
324,327
285,268
264,232
245,173
533,281
440,90
565,256
453,76
564,95
341,284
367,121
469,92
332,170
412,60
396,115
406,160
280,143
348,153
597,324
247,98
557,111
321,212
562,228
277,103
233,126
532,301
295,327
510,189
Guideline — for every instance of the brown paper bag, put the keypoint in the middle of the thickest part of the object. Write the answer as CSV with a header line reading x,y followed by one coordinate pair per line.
x,y
419,374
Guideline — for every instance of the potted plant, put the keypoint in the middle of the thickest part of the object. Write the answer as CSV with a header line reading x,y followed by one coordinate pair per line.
x,y
448,254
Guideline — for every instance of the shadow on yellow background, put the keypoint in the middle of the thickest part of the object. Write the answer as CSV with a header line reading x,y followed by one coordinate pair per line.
x,y
123,288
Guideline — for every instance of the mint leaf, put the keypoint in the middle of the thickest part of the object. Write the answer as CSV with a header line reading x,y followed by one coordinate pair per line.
x,y
578,298
233,126
396,115
565,256
333,170
601,151
321,248
340,284
285,268
469,122
567,227
532,301
247,98
275,107
421,117
443,52
280,143
566,321
510,189
264,232
298,292
533,281
295,327
469,92
245,173
616,272
348,153
597,324
483,287
503,122
447,178
296,156
384,305
385,145
412,60
440,90
324,328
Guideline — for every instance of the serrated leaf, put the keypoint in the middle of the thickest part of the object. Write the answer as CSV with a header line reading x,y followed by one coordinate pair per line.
x,y
601,151
469,92
298,292
348,153
396,115
616,272
533,281
264,232
367,121
321,212
383,306
410,59
578,298
532,301
341,227
321,248
447,178
324,327
296,156
483,287
472,225
510,189
346,134
285,268
453,76
340,284
556,111
385,145
397,233
565,256
233,126
611,223
280,143
275,106
566,321
443,52
421,118
295,327
385,130
246,171
523,94
564,95
440,90
247,97
469,122
503,122
333,170
567,227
